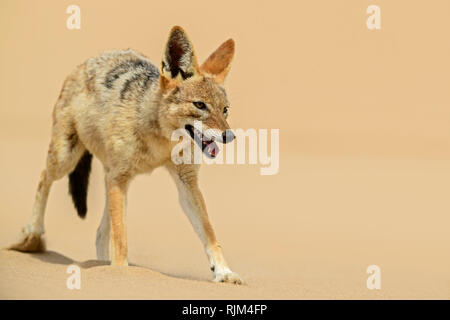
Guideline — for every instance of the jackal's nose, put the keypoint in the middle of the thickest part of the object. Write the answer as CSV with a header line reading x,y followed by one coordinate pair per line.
x,y
228,136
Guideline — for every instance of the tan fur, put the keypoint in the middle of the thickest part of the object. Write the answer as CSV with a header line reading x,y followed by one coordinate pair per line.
x,y
218,63
123,110
116,194
31,243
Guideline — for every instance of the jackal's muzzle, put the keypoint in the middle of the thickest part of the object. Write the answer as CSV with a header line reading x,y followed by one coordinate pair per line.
x,y
207,143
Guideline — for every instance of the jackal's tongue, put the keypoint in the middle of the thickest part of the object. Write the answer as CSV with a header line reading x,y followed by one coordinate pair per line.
x,y
211,149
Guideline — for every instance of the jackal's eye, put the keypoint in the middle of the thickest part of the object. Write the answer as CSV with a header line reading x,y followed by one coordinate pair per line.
x,y
200,105
225,110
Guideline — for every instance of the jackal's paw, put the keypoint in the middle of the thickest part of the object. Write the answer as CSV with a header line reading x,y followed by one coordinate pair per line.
x,y
30,242
228,276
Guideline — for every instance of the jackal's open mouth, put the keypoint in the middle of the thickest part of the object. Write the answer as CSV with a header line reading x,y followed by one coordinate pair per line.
x,y
209,147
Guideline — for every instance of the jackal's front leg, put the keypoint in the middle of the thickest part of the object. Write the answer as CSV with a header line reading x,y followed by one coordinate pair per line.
x,y
192,202
117,203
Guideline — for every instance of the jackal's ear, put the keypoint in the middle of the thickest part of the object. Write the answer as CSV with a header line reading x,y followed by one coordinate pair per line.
x,y
179,61
219,62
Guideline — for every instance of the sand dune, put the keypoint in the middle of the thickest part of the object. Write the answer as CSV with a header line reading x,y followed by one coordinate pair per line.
x,y
314,240
364,173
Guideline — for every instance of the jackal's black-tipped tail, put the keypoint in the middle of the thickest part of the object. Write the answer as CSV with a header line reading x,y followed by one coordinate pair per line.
x,y
78,183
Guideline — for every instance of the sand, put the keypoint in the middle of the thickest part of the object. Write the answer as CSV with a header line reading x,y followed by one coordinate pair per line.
x,y
364,173
313,240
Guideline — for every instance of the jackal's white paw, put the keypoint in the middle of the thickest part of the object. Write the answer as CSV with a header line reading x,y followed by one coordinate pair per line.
x,y
228,276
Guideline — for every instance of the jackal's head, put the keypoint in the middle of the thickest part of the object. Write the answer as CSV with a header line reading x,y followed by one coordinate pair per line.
x,y
193,94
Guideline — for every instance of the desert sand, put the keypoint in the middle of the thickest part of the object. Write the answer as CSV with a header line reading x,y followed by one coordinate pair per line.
x,y
364,173
334,217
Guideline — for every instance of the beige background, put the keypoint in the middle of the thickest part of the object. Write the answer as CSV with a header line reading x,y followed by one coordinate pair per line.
x,y
364,119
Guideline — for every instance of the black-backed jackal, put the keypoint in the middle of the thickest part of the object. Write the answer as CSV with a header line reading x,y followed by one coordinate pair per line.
x,y
120,108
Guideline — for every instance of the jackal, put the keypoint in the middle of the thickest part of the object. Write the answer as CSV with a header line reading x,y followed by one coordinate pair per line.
x,y
122,109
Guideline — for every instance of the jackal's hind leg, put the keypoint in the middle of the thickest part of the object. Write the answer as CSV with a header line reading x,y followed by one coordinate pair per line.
x,y
31,239
64,152
103,238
